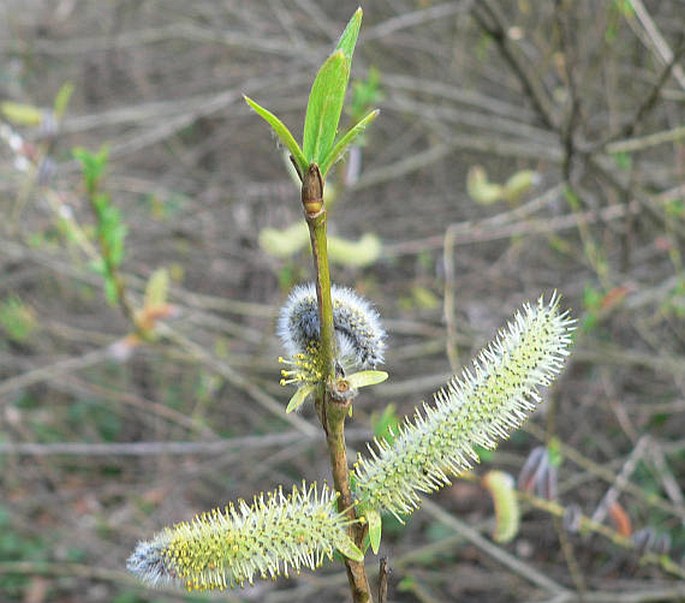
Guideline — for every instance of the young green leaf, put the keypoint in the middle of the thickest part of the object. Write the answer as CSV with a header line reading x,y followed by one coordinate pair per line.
x,y
366,378
348,39
111,291
299,397
282,132
373,517
346,140
93,166
324,107
347,547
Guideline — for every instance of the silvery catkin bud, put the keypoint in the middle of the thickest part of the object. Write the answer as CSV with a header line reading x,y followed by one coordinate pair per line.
x,y
360,335
488,402
277,533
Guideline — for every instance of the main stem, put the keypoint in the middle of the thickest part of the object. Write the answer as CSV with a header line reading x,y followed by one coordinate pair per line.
x,y
332,411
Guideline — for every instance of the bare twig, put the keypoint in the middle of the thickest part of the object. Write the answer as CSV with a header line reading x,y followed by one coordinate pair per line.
x,y
489,16
655,40
142,449
519,567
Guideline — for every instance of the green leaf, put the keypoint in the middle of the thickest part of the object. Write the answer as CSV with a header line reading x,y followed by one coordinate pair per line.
x,y
349,549
324,107
348,39
17,319
346,140
282,132
366,378
365,93
299,397
554,452
375,529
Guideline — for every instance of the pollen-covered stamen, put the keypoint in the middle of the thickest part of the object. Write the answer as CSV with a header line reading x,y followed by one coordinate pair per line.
x,y
304,367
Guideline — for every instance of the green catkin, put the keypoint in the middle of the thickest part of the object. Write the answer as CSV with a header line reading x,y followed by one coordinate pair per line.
x,y
485,404
274,536
502,488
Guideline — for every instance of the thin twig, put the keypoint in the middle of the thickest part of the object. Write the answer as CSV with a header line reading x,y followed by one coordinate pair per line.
x,y
513,563
655,40
141,449
493,22
622,478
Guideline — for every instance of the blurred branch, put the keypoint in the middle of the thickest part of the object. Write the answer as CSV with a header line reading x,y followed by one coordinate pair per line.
x,y
141,449
489,16
654,40
414,18
511,562
57,369
90,572
469,232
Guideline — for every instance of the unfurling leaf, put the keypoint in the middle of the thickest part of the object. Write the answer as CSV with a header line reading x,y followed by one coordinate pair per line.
x,y
346,140
282,132
373,517
299,397
324,107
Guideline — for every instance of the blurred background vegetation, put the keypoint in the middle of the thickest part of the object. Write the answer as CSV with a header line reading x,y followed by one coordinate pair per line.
x,y
522,147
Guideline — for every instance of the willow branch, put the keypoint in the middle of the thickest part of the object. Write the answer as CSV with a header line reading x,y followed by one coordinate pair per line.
x,y
331,409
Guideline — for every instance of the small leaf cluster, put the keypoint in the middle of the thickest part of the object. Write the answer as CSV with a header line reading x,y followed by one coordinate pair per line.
x,y
319,143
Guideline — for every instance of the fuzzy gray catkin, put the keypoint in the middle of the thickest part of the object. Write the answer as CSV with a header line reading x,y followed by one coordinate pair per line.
x,y
359,333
